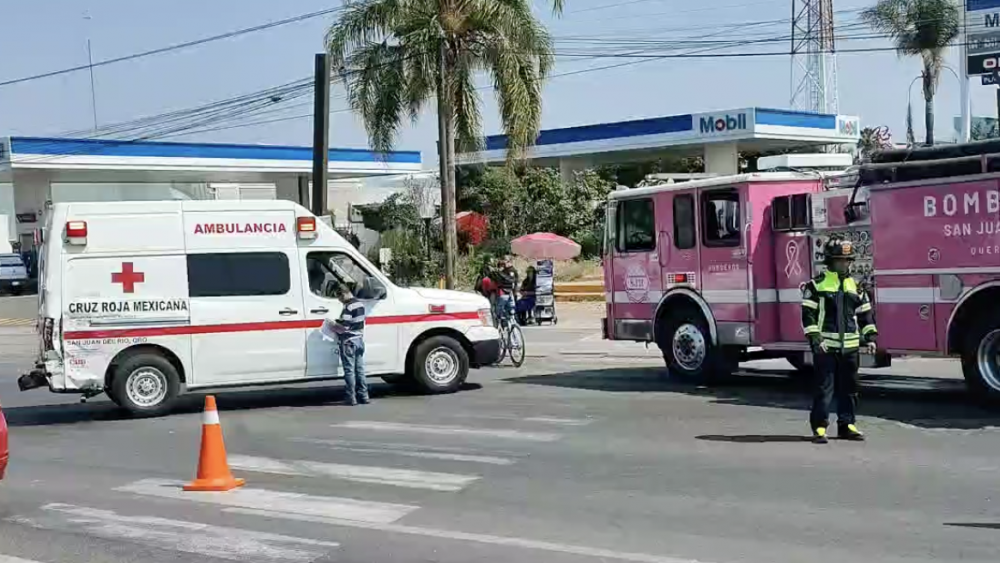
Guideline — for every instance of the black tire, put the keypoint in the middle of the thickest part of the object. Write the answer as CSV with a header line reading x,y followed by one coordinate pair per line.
x,y
449,363
399,380
715,364
981,346
503,348
148,370
516,354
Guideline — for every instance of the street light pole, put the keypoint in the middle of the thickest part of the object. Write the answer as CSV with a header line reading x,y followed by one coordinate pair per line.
x,y
90,67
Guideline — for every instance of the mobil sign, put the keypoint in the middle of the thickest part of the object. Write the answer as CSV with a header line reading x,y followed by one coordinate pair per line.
x,y
713,124
982,37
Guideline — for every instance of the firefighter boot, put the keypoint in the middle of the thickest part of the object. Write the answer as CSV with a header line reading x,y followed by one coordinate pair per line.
x,y
850,432
819,435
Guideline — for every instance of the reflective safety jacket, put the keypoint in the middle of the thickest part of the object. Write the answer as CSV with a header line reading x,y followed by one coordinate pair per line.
x,y
835,309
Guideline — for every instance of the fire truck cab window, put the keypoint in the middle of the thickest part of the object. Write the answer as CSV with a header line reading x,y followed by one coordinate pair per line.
x,y
636,225
721,220
684,221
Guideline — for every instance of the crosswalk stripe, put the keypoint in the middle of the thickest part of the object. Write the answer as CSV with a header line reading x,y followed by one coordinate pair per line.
x,y
9,559
448,430
410,478
190,537
489,539
559,421
409,451
276,501
554,420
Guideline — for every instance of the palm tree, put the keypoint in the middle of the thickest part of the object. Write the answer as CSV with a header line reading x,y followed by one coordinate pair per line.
x,y
394,56
872,140
919,27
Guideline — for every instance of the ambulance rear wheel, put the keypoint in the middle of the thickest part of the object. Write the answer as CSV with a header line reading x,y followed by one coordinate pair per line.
x,y
981,360
440,365
687,347
145,384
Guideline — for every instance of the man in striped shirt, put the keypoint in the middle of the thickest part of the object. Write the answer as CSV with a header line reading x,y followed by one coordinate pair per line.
x,y
350,330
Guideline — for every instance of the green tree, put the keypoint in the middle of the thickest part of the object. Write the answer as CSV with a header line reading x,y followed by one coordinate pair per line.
x,y
984,128
923,28
872,140
394,56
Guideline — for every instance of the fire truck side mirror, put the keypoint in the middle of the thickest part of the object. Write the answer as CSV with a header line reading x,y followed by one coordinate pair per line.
x,y
856,211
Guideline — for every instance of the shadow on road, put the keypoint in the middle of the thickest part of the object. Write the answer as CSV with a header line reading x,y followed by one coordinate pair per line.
x,y
984,525
925,402
755,439
103,410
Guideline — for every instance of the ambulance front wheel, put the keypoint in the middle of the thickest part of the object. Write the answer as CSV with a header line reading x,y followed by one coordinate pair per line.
x,y
144,384
440,365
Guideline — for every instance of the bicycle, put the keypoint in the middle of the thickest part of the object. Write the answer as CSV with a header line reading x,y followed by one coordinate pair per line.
x,y
511,336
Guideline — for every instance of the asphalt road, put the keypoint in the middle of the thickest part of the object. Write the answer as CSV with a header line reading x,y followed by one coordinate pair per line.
x,y
18,310
587,454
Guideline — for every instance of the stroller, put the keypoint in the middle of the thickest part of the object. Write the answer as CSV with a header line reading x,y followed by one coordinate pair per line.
x,y
545,301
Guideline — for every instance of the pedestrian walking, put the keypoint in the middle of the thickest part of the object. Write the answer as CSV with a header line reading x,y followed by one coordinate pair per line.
x,y
837,319
350,327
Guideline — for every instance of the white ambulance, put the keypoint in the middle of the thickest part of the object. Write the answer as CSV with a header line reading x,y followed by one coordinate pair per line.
x,y
145,300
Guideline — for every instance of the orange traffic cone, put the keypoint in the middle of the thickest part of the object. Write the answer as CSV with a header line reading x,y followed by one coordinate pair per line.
x,y
213,469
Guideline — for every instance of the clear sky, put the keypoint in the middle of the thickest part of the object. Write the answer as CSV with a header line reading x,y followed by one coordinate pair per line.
x,y
44,35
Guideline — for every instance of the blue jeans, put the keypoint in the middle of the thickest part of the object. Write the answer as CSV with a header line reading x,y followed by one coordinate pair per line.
x,y
505,306
352,357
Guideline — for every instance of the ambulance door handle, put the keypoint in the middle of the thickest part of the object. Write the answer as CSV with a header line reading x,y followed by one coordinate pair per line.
x,y
287,311
320,311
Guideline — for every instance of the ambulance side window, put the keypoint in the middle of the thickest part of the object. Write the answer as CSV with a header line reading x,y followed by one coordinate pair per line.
x,y
329,270
238,274
721,217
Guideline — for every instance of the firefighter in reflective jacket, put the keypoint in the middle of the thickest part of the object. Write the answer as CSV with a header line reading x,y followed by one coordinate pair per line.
x,y
837,319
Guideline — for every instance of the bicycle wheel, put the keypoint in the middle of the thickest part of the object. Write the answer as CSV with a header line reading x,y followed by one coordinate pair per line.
x,y
515,345
503,344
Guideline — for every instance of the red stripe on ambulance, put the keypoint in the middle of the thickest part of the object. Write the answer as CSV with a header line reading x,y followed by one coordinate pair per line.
x,y
257,327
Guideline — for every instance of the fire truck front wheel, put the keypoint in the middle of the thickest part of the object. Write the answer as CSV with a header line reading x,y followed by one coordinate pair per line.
x,y
687,347
981,360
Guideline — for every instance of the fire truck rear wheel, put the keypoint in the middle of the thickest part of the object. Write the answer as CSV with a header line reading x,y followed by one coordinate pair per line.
x,y
981,360
687,347
145,384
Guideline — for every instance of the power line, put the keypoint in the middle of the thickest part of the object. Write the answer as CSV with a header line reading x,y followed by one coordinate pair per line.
x,y
175,47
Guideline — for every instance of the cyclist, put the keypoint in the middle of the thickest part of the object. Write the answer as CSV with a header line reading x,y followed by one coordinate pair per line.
x,y
506,280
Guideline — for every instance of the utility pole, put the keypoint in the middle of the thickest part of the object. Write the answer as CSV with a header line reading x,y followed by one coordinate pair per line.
x,y
321,134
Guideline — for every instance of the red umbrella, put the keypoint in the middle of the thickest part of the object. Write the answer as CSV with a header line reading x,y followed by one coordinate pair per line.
x,y
542,246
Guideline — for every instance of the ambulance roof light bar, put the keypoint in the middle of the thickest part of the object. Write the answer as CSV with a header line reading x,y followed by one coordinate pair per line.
x,y
76,232
305,227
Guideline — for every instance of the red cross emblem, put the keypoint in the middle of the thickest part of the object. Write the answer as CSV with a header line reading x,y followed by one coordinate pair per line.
x,y
128,277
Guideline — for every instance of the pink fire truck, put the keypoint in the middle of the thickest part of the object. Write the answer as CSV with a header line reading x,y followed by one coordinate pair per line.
x,y
710,270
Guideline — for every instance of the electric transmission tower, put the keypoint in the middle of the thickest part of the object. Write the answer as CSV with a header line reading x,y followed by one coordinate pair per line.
x,y
814,58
